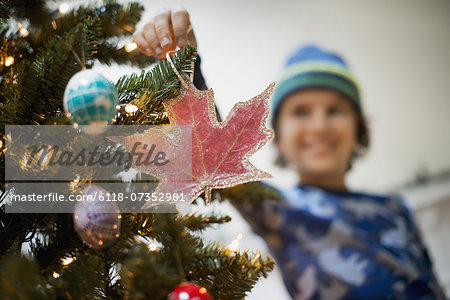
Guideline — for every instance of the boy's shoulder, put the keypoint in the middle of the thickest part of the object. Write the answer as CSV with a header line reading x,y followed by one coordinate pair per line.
x,y
302,195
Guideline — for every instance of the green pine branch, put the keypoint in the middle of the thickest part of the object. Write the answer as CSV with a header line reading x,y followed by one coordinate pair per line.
x,y
148,90
198,222
4,11
116,20
225,274
56,239
248,194
35,11
84,279
20,278
228,275
108,53
39,93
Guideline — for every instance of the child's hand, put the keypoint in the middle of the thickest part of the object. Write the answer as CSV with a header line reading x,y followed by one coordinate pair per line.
x,y
164,32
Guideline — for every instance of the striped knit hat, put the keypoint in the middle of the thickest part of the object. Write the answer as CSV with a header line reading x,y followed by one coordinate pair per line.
x,y
311,67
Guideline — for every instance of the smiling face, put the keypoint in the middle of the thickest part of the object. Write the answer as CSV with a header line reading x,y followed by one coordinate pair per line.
x,y
317,133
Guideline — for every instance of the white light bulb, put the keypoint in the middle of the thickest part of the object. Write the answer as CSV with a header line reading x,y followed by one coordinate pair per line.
x,y
24,32
130,108
130,47
9,61
67,261
64,8
234,246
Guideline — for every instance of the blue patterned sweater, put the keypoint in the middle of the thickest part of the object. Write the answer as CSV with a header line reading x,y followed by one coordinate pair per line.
x,y
343,245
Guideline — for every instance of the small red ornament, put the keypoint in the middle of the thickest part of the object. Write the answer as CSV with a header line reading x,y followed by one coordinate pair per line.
x,y
189,291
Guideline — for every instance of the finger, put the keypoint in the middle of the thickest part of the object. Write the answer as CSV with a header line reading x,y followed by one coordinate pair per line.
x,y
141,42
152,39
180,24
162,28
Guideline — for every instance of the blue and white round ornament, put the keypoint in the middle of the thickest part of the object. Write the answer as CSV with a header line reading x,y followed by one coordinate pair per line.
x,y
96,220
90,99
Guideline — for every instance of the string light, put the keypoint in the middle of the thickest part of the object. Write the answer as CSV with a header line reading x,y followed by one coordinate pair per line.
x,y
152,247
67,261
64,8
130,47
9,61
23,31
118,107
234,246
130,108
55,275
257,256
74,182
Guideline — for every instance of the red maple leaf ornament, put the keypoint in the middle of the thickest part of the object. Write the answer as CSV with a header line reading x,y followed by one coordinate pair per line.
x,y
219,150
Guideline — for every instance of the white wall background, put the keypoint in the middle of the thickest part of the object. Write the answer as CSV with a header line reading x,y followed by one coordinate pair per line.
x,y
399,51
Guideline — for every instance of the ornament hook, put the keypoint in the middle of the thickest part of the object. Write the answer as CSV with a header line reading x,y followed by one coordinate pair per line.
x,y
183,82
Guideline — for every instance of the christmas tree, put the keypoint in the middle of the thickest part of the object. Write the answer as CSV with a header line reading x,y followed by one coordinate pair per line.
x,y
42,255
